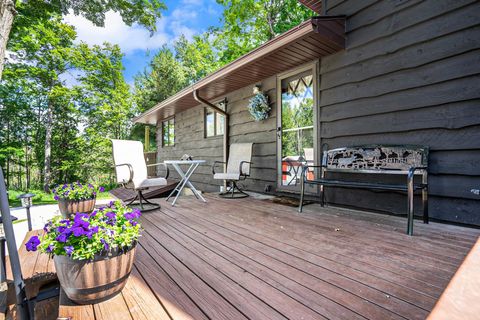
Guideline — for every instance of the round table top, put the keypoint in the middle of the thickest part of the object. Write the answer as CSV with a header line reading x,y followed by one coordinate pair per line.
x,y
184,161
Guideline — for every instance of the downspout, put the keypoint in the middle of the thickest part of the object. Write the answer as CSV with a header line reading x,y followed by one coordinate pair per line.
x,y
226,124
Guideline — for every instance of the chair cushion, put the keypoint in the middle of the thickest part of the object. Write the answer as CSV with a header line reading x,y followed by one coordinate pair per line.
x,y
147,183
227,176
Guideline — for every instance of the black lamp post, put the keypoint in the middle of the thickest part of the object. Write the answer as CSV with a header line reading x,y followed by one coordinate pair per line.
x,y
27,203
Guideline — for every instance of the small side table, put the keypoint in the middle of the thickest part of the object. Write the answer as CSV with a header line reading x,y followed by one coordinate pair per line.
x,y
185,177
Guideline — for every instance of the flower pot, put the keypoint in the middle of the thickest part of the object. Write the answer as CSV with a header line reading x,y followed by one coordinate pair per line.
x,y
87,282
68,207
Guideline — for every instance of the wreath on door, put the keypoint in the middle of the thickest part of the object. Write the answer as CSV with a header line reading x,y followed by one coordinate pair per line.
x,y
258,106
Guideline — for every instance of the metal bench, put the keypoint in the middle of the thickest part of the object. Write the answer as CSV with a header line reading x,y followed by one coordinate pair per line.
x,y
374,159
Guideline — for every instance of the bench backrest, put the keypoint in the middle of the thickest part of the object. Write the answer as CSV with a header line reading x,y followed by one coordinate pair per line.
x,y
375,158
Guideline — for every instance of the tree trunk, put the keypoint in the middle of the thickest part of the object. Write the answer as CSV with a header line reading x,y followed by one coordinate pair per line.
x,y
48,149
27,169
7,12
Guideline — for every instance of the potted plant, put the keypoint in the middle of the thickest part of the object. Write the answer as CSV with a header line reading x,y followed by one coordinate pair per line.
x,y
76,197
93,253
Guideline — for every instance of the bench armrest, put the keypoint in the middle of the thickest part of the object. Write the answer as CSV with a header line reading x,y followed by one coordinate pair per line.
x,y
167,171
241,166
214,164
411,171
130,169
305,168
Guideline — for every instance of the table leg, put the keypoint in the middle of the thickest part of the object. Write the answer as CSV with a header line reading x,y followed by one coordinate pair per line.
x,y
195,191
185,179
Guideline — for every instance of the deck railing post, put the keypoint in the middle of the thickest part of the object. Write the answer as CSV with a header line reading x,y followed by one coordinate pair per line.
x,y
19,285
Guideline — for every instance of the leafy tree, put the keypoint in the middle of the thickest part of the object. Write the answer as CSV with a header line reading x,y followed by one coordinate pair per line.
x,y
250,23
105,102
198,56
69,124
144,12
164,77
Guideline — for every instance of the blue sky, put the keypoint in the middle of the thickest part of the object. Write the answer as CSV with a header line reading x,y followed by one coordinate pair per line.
x,y
188,17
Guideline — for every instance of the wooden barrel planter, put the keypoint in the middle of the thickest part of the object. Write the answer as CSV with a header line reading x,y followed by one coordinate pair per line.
x,y
87,282
69,207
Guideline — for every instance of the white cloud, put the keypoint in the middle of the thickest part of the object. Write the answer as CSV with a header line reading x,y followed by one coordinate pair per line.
x,y
184,13
117,32
134,38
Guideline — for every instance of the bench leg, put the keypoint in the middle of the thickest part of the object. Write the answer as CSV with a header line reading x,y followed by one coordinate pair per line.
x,y
425,196
302,191
410,213
322,195
425,205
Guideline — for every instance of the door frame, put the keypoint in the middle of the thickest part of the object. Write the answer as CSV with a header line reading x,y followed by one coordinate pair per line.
x,y
314,67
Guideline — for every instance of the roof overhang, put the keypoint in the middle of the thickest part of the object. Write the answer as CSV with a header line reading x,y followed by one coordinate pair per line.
x,y
313,39
315,5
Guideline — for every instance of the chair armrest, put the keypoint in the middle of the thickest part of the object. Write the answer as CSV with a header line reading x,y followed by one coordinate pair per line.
x,y
214,164
167,171
241,165
130,169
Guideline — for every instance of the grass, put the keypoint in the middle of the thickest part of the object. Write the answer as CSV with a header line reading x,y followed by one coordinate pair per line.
x,y
41,197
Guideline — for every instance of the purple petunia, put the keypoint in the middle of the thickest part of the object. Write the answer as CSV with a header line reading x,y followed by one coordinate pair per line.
x,y
91,232
68,250
62,237
101,189
32,243
109,232
106,246
111,218
135,214
47,226
56,198
50,248
78,231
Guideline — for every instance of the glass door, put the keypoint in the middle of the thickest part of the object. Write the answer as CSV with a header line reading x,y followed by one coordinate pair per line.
x,y
296,131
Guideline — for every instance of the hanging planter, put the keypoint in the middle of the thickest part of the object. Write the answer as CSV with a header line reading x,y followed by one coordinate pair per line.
x,y
258,105
93,252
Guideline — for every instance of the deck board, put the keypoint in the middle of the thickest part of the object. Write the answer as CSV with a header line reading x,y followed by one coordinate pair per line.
x,y
254,259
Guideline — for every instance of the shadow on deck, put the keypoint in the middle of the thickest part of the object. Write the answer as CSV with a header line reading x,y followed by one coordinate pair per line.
x,y
253,259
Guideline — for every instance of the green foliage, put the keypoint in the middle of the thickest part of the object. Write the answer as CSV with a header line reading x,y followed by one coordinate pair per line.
x,y
250,23
76,191
143,12
102,232
40,197
63,102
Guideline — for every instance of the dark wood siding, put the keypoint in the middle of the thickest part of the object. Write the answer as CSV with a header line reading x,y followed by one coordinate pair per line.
x,y
190,139
410,75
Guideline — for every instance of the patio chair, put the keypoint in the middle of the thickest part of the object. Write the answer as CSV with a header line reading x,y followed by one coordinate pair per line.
x,y
131,172
238,168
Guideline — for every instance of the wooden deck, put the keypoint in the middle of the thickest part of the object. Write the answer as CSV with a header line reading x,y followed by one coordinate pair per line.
x,y
253,259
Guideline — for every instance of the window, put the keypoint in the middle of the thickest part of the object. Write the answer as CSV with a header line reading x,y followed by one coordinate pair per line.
x,y
168,132
214,123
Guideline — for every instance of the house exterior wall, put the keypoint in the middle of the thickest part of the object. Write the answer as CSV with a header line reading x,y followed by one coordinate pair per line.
x,y
410,75
190,139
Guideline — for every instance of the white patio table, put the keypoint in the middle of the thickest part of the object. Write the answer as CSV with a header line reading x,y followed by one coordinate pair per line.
x,y
185,175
